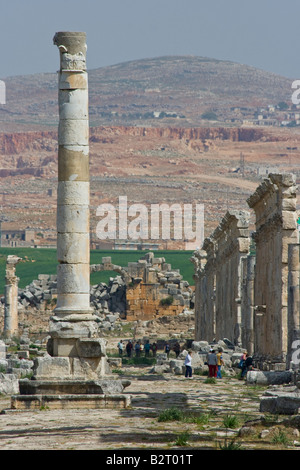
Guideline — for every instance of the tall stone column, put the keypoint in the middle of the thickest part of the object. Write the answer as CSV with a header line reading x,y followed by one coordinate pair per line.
x,y
11,297
74,373
293,299
247,303
275,205
73,243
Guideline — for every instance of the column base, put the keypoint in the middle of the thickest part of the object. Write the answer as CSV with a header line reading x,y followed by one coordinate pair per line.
x,y
67,402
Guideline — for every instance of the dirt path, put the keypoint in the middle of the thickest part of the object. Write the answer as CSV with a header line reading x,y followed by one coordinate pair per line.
x,y
139,427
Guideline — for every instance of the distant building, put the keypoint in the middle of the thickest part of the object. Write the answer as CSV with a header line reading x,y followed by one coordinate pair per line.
x,y
11,237
135,245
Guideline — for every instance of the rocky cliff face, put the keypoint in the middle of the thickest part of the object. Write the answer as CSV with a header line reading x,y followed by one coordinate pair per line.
x,y
194,133
14,144
17,143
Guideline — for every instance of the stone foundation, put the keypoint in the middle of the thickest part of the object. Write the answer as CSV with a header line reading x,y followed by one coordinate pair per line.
x,y
64,402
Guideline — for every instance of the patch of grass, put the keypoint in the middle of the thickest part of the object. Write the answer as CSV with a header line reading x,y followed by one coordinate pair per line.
x,y
182,439
44,261
271,418
210,380
117,371
135,361
170,414
280,437
230,421
193,417
200,419
231,445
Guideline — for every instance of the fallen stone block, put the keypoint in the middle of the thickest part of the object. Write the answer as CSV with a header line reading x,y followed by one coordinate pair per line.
x,y
286,404
9,384
2,350
269,377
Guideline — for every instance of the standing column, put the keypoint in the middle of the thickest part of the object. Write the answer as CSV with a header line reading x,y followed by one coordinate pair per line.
x,y
11,297
293,299
73,244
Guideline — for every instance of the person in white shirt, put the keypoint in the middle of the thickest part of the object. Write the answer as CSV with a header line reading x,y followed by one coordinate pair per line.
x,y
188,365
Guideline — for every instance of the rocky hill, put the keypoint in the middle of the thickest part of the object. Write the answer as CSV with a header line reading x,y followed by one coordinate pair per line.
x,y
148,139
160,91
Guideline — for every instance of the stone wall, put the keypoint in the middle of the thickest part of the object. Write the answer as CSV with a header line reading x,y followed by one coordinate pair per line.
x,y
218,279
155,289
205,286
274,205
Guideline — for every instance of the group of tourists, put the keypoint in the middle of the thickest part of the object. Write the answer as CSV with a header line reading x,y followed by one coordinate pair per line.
x,y
176,348
214,359
138,348
215,362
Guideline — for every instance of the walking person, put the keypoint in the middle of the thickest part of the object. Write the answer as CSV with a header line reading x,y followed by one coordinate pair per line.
x,y
247,365
147,348
154,348
176,349
188,365
167,349
212,363
220,363
137,349
129,348
120,347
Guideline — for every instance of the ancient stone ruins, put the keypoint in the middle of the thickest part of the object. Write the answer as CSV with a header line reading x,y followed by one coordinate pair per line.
x,y
246,285
247,288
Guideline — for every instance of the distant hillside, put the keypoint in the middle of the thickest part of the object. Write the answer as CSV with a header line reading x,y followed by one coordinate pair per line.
x,y
161,91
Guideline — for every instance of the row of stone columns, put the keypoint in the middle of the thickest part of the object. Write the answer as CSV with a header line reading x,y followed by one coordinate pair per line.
x,y
219,273
255,302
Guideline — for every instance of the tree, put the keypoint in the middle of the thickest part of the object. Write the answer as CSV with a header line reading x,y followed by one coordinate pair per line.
x,y
210,115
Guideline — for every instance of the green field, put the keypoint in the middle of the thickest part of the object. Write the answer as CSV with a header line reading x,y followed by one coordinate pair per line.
x,y
43,261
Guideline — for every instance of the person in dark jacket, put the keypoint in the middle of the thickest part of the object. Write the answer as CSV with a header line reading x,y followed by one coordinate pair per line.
x,y
247,365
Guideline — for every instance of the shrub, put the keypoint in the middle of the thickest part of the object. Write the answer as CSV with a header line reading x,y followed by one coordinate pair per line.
x,y
170,414
167,301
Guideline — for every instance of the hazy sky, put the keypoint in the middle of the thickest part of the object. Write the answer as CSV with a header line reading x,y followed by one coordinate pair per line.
x,y
261,33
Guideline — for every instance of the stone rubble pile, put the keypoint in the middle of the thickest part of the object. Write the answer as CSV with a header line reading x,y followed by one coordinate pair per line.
x,y
108,300
43,289
15,366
